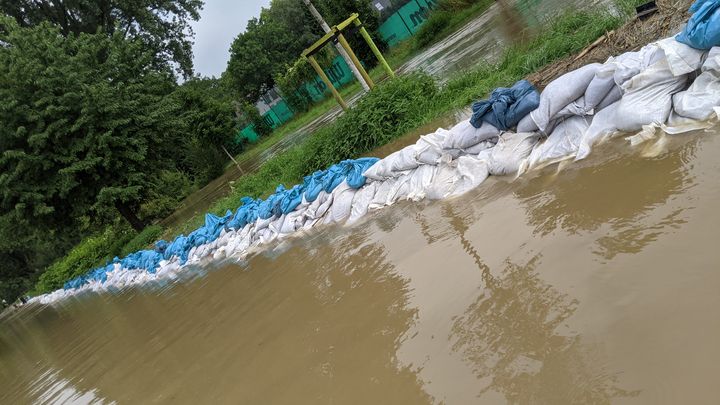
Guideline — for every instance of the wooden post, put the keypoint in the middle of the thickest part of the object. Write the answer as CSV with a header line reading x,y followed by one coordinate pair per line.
x,y
354,59
327,81
374,48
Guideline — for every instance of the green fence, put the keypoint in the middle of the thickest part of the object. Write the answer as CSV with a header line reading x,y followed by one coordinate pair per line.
x,y
405,22
339,74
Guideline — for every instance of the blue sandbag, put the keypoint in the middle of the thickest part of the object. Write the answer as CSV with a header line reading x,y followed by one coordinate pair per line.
x,y
333,177
161,246
506,106
244,215
268,208
281,202
355,178
314,185
291,199
703,28
144,259
179,247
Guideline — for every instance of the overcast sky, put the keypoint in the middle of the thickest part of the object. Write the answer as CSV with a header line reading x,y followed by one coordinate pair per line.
x,y
220,22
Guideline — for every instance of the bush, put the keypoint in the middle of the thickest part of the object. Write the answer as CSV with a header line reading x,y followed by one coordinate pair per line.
x,y
165,193
432,28
143,240
89,253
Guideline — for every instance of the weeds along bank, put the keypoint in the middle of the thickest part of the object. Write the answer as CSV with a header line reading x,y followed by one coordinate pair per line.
x,y
391,110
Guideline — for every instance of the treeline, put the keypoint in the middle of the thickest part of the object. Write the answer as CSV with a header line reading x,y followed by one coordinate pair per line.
x,y
104,125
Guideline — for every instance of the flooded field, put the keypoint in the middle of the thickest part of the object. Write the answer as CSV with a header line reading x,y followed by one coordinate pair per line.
x,y
597,283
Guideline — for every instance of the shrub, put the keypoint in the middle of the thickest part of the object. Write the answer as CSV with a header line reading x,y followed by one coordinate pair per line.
x,y
143,240
89,253
432,28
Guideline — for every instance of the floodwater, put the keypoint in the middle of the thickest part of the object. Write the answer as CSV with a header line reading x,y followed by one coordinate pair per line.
x,y
483,39
593,284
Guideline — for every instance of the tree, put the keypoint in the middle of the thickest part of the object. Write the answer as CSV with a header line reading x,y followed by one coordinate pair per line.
x,y
209,128
269,43
85,125
162,25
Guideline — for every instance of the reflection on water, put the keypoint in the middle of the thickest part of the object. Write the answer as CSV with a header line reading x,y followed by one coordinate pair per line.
x,y
622,196
596,283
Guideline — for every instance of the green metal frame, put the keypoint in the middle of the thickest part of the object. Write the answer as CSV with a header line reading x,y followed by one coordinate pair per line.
x,y
336,33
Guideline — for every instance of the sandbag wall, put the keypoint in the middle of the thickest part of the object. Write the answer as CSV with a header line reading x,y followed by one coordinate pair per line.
x,y
673,84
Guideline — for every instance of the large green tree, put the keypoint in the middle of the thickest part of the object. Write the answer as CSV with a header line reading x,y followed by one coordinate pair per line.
x,y
86,124
162,25
208,118
270,42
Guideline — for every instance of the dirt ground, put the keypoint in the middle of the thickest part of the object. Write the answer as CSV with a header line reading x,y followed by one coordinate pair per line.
x,y
633,35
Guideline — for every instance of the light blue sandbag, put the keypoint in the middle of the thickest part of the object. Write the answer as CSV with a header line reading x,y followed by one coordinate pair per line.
x,y
703,29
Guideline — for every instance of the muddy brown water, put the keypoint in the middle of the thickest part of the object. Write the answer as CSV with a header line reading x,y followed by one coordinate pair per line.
x,y
593,284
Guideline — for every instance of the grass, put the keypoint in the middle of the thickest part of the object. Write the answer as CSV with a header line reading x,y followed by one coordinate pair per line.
x,y
388,112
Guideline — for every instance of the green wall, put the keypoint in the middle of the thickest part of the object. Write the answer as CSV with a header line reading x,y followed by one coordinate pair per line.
x,y
406,21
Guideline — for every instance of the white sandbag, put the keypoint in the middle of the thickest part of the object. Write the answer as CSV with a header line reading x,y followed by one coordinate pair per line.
x,y
681,58
527,124
381,194
430,147
678,124
318,208
342,203
603,124
419,180
399,190
561,92
614,95
277,223
394,164
597,90
443,183
625,66
698,100
562,144
510,151
464,135
476,149
647,97
471,172
263,223
361,201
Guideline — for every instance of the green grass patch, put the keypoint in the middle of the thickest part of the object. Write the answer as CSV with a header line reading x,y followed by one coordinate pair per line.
x,y
94,252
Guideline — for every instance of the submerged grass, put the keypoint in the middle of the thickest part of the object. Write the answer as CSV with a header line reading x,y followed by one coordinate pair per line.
x,y
446,19
388,112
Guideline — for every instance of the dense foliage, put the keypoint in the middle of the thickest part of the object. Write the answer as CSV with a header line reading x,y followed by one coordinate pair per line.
x,y
273,42
96,129
163,26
